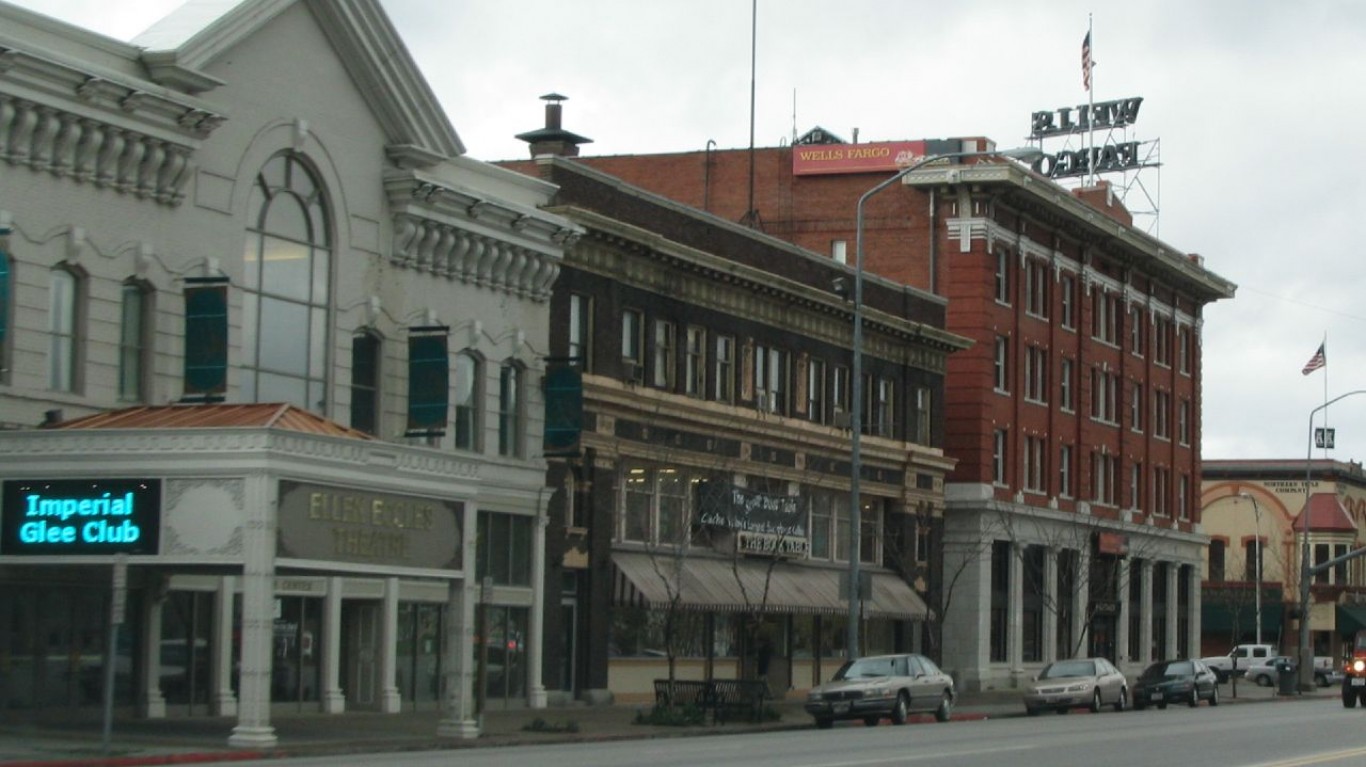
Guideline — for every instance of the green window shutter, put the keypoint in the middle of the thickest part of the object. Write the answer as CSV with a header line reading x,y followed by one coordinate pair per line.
x,y
206,339
428,381
563,409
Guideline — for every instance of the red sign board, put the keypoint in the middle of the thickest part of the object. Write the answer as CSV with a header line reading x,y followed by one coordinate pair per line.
x,y
818,159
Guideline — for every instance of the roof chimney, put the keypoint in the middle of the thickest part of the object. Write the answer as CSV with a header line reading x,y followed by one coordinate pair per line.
x,y
552,139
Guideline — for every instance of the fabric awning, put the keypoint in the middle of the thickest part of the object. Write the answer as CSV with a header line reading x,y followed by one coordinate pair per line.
x,y
1351,619
647,580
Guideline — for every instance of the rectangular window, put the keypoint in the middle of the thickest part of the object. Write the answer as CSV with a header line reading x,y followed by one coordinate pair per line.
x,y
1136,408
998,457
365,365
1066,376
999,619
839,251
1162,408
503,548
1216,560
924,539
1136,485
1001,364
1034,470
1162,487
822,508
1183,489
1183,421
1036,289
62,319
510,411
1003,276
632,345
1104,395
1067,287
879,408
1136,331
1105,317
665,344
1065,471
770,379
467,398
725,369
1162,341
1103,478
581,330
840,396
1184,351
816,407
1036,374
695,363
923,409
134,343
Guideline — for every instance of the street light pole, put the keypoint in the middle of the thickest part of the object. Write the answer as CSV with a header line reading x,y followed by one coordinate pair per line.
x,y
1257,568
1027,154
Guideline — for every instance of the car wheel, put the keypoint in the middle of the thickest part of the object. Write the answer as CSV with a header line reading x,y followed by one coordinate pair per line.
x,y
871,721
1123,702
945,710
1214,696
898,715
1195,697
1263,680
824,723
1095,702
1349,696
1031,711
1162,706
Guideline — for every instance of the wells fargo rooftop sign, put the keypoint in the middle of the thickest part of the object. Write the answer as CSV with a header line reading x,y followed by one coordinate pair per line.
x,y
818,159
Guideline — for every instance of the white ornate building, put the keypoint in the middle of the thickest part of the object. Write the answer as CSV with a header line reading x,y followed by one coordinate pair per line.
x,y
269,354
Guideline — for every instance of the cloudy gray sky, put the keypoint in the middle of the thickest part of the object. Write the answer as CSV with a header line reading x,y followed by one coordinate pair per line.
x,y
1255,106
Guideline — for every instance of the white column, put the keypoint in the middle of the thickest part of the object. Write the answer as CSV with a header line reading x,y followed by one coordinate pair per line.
x,y
1122,615
389,701
1173,603
220,654
536,627
1081,605
1015,611
153,703
1193,604
1145,614
254,729
457,653
333,696
1052,600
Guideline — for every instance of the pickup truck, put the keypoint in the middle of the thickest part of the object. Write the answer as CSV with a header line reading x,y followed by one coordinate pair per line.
x,y
1243,654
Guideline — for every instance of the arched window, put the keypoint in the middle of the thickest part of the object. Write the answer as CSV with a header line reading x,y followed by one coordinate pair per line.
x,y
135,342
468,393
365,378
63,322
510,410
286,283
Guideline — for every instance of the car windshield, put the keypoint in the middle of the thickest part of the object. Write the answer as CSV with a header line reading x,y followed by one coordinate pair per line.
x,y
866,667
1175,668
1068,668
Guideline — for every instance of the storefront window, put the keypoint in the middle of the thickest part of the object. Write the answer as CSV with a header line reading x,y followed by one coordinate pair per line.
x,y
295,669
506,654
641,632
419,652
503,549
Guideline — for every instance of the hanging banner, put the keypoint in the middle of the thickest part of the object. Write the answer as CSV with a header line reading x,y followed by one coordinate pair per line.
x,y
428,381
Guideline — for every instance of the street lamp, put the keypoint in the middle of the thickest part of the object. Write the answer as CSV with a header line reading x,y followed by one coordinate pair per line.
x,y
1025,154
1257,569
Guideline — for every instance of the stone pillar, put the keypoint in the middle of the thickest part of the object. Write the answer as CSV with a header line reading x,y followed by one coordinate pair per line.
x,y
224,702
1081,604
333,696
536,623
254,729
390,702
1193,604
966,625
1015,612
457,653
1122,615
1052,601
1145,614
153,703
1173,605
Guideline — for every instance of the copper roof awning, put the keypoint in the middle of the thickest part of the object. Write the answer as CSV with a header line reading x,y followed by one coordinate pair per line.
x,y
215,416
647,580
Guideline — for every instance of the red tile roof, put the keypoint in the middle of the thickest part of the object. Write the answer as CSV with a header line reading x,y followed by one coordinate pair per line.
x,y
1326,515
222,416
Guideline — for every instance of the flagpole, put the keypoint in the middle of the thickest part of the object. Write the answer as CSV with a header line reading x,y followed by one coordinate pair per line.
x,y
1325,394
1091,106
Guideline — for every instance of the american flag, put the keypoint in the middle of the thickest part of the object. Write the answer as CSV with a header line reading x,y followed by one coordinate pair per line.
x,y
1320,359
1086,61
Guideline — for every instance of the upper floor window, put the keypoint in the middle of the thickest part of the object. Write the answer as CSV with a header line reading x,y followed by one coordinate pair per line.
x,y
581,330
1136,334
1065,471
1035,449
1183,421
1162,408
63,320
816,406
655,506
725,368
881,410
1067,288
1066,385
510,410
1162,341
1184,349
998,456
1001,364
632,343
6,280
1217,556
1036,373
1105,317
1036,289
468,371
923,410
1103,478
365,377
1136,408
770,379
135,343
666,335
1162,489
1002,276
503,548
841,396
1104,395
287,274
695,363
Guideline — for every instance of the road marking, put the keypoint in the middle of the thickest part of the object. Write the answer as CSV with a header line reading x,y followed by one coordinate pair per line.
x,y
1332,756
904,758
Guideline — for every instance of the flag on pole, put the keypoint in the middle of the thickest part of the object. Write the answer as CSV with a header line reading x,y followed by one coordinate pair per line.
x,y
1317,361
1086,61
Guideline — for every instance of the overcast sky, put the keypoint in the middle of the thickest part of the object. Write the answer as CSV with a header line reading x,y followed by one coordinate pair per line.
x,y
1256,107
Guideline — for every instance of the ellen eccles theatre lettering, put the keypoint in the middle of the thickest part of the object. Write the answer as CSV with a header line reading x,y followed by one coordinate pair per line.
x,y
81,517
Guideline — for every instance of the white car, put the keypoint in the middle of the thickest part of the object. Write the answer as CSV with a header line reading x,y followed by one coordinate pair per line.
x,y
1264,671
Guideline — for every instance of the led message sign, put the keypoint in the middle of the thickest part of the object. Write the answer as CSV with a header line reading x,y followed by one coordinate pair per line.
x,y
81,517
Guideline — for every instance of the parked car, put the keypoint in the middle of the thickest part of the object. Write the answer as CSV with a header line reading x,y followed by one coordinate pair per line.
x,y
1176,681
880,686
1068,684
1265,672
1241,656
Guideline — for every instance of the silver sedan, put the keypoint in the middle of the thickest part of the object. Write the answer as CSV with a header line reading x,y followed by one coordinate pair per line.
x,y
1068,684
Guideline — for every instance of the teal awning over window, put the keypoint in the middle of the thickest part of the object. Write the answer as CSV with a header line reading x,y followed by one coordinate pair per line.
x,y
1218,619
206,339
1351,619
429,376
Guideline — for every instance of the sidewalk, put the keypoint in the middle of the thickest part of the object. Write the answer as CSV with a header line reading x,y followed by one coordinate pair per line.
x,y
55,739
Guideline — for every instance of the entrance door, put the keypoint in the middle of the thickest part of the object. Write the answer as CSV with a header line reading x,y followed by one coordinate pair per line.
x,y
360,654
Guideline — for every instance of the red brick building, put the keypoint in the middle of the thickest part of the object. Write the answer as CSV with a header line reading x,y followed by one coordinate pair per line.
x,y
1072,524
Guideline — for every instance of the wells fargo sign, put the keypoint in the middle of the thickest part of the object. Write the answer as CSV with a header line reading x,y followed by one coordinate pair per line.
x,y
817,159
343,525
1086,118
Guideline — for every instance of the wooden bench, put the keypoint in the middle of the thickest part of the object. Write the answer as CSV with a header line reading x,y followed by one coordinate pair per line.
x,y
724,698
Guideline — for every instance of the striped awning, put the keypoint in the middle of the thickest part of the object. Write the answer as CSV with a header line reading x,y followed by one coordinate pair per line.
x,y
751,585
